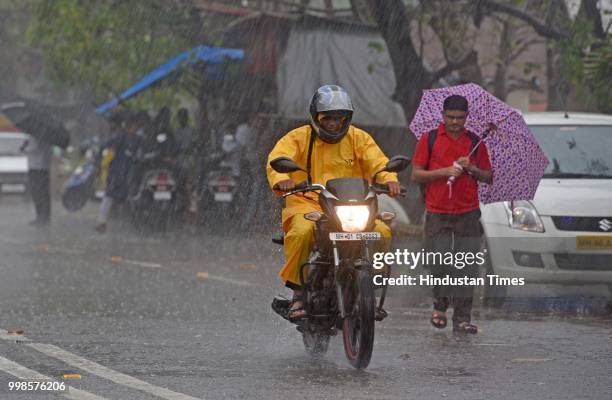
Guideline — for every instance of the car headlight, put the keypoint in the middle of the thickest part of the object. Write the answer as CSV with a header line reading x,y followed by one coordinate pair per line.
x,y
524,216
353,218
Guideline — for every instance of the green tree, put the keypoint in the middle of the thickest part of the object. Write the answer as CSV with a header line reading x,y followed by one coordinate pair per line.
x,y
570,45
106,45
597,73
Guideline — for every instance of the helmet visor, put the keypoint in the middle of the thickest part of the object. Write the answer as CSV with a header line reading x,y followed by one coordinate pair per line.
x,y
333,100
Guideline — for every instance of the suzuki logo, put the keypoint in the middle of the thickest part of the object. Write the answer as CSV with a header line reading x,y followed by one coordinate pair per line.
x,y
605,225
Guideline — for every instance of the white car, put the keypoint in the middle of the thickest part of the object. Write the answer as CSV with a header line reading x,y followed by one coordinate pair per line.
x,y
564,235
13,163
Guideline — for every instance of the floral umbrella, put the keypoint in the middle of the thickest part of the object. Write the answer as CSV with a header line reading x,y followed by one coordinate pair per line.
x,y
517,161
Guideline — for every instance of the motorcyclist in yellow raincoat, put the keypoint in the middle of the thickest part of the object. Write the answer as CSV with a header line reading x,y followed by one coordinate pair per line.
x,y
338,150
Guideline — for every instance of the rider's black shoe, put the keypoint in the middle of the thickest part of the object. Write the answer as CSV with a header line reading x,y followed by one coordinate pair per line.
x,y
280,305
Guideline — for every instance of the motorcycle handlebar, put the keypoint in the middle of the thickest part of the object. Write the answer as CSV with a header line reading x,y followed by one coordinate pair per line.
x,y
382,188
299,186
379,188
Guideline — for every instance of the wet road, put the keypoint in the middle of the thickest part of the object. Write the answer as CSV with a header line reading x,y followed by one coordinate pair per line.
x,y
188,316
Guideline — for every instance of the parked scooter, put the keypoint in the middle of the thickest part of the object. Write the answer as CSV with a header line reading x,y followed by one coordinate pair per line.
x,y
80,186
156,197
219,198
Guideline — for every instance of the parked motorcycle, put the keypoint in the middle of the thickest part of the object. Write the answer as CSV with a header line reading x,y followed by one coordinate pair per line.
x,y
219,198
155,197
337,279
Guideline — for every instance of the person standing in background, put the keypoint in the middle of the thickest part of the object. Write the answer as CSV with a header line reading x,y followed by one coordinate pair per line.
x,y
125,144
39,162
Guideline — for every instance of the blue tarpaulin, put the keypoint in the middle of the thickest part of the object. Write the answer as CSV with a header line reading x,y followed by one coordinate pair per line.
x,y
209,55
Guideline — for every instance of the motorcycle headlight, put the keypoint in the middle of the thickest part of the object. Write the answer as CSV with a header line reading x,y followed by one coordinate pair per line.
x,y
353,218
524,216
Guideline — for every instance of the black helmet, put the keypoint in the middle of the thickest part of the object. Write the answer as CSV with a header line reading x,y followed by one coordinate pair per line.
x,y
331,100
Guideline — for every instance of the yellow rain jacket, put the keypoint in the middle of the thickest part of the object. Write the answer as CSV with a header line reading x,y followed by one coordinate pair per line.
x,y
355,156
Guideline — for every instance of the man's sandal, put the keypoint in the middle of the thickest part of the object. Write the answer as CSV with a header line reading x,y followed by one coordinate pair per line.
x,y
296,310
465,327
438,319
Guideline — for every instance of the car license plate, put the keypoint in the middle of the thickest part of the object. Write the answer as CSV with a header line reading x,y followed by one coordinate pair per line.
x,y
162,195
339,236
13,188
223,196
594,242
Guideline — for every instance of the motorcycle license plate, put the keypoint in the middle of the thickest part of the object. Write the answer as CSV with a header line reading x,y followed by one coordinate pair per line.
x,y
340,236
13,188
223,196
162,195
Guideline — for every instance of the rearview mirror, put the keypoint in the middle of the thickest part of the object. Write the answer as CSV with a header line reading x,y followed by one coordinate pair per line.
x,y
397,164
284,165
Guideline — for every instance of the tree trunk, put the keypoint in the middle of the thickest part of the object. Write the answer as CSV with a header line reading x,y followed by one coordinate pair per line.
x,y
500,89
558,89
558,86
411,76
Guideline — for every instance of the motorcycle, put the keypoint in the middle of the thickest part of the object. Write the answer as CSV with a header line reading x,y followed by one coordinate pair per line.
x,y
337,279
219,196
156,197
80,186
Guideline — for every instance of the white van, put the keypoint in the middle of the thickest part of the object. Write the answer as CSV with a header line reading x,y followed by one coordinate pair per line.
x,y
564,235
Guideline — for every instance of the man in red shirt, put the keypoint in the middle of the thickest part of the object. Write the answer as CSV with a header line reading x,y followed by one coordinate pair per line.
x,y
452,220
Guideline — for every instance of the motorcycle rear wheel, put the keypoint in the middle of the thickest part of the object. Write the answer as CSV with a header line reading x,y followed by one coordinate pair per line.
x,y
358,326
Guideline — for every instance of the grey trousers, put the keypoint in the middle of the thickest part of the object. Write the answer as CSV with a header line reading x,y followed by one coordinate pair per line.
x,y
454,233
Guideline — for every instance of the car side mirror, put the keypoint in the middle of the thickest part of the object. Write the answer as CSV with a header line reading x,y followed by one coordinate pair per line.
x,y
284,165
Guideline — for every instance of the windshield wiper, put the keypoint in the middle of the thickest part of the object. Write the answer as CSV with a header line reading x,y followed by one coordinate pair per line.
x,y
570,175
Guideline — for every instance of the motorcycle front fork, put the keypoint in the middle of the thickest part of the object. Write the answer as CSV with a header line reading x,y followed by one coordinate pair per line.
x,y
361,263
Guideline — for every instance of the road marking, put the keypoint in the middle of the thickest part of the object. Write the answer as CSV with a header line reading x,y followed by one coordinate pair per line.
x,y
531,360
97,369
493,344
21,372
142,263
223,279
107,373
119,259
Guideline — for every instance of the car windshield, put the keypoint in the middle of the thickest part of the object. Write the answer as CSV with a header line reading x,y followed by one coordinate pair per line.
x,y
576,151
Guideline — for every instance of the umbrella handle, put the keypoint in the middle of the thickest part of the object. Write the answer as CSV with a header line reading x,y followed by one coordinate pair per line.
x,y
482,138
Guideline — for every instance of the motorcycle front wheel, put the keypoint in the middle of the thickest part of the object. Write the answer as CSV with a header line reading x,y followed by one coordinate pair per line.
x,y
358,326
